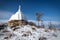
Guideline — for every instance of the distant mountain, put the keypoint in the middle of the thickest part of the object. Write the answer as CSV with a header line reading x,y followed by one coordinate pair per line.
x,y
46,23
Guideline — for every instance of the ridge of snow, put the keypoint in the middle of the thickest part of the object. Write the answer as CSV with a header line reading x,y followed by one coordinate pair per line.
x,y
19,34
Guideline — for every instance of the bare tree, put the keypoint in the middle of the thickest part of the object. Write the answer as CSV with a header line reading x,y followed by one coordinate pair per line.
x,y
51,26
38,17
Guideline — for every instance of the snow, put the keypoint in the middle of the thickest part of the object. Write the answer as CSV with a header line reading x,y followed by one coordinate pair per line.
x,y
27,33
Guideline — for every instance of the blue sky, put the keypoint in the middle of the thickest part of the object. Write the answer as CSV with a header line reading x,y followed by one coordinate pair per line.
x,y
49,8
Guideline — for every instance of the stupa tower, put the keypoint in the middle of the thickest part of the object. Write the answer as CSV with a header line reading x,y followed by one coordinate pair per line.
x,y
18,18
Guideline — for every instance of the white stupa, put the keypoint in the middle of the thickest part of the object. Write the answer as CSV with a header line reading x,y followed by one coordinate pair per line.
x,y
18,15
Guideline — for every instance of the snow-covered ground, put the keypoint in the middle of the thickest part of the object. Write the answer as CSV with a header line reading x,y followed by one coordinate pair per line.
x,y
28,32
